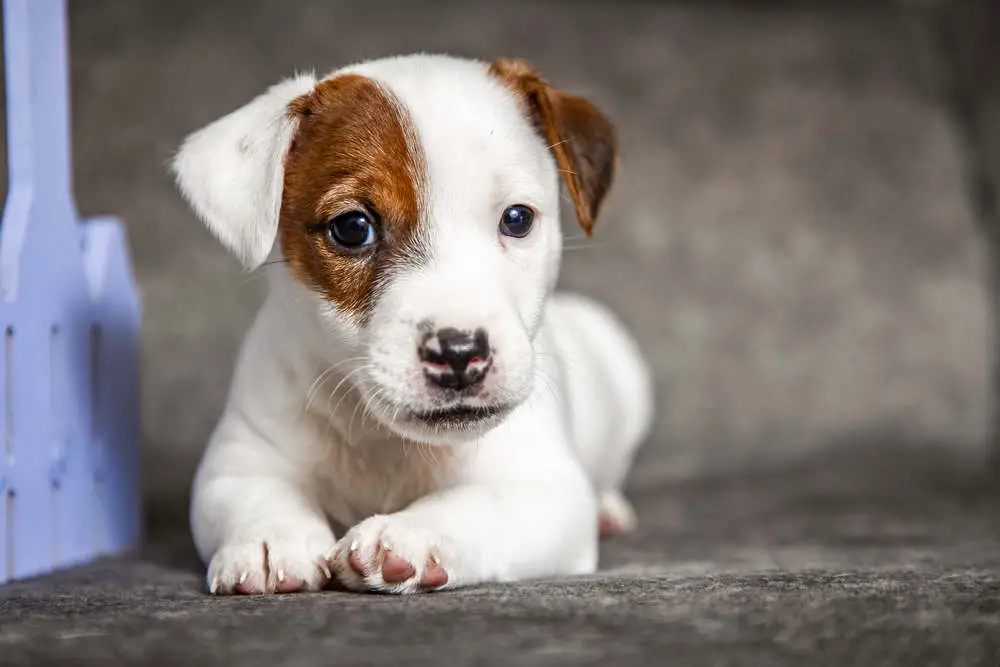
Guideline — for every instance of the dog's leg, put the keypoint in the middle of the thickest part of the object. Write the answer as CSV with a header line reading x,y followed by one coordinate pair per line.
x,y
256,520
610,394
525,509
469,535
616,514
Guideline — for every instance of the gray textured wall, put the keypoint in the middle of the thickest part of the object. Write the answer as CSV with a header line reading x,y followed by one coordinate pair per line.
x,y
791,237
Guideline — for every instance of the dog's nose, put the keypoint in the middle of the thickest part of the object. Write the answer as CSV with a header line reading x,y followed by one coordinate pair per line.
x,y
456,359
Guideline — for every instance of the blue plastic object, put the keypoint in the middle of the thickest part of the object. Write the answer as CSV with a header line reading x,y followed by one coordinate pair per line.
x,y
69,314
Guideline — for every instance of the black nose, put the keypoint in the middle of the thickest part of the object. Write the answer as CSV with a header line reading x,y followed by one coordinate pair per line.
x,y
456,359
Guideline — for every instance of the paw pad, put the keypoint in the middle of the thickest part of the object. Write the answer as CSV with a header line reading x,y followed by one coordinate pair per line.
x,y
384,568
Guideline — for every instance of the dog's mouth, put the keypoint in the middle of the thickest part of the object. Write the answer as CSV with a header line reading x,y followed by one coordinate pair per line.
x,y
462,415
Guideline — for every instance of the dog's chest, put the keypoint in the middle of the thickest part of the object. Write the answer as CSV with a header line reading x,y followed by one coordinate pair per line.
x,y
380,475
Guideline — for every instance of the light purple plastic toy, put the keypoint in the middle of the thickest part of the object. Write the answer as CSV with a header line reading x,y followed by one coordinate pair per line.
x,y
69,485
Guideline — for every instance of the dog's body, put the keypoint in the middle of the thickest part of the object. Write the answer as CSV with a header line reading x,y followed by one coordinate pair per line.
x,y
410,377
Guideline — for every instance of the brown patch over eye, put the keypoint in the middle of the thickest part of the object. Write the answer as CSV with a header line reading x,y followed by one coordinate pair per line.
x,y
354,150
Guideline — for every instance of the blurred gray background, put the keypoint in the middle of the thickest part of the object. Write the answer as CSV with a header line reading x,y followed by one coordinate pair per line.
x,y
795,236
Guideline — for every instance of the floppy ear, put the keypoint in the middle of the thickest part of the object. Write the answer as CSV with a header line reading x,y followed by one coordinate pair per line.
x,y
231,171
582,140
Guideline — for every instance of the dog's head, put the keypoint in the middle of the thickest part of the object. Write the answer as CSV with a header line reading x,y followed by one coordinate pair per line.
x,y
415,205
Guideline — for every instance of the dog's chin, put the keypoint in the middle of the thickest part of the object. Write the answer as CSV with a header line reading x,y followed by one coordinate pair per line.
x,y
450,425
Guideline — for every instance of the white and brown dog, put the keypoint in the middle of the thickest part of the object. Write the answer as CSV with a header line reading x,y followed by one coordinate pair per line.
x,y
411,384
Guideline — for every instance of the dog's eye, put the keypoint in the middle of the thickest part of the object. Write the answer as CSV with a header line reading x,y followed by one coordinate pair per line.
x,y
351,231
516,221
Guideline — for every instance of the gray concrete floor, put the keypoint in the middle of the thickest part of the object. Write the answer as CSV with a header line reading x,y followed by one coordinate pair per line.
x,y
873,554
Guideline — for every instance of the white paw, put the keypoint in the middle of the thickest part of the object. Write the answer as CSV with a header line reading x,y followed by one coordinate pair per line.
x,y
391,554
616,516
275,559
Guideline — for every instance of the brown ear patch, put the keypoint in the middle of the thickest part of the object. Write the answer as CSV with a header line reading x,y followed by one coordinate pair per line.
x,y
582,140
354,149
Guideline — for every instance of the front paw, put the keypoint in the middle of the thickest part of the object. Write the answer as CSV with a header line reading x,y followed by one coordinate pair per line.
x,y
278,559
392,554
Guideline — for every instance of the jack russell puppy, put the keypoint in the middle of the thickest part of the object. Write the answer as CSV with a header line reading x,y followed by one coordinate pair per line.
x,y
413,408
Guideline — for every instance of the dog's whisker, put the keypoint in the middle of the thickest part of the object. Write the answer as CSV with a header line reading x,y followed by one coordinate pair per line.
x,y
548,383
335,389
374,401
581,247
258,274
250,278
421,453
273,262
323,377
431,457
566,360
548,386
332,414
368,405
346,392
350,423
587,243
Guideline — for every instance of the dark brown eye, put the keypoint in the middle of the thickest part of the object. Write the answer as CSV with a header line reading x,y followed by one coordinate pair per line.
x,y
351,231
516,221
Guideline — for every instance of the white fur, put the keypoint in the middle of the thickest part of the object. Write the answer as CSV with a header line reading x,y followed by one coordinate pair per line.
x,y
316,440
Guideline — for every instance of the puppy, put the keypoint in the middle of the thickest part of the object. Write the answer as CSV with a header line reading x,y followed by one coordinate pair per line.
x,y
411,385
